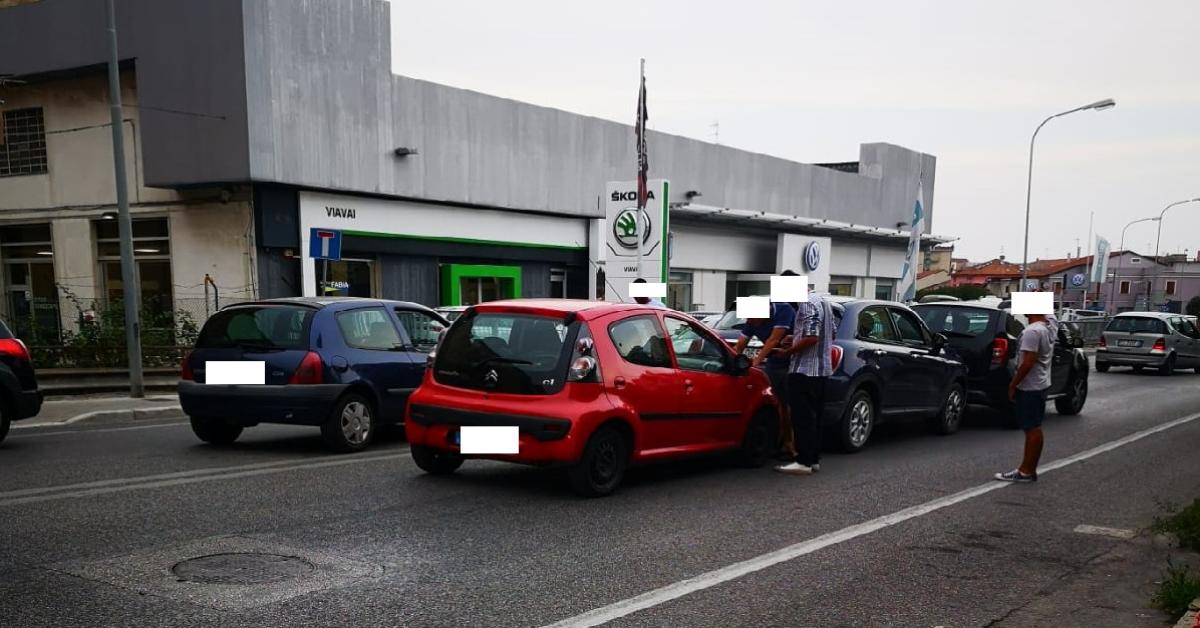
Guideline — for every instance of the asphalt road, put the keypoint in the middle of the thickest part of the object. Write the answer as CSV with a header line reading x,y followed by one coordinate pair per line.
x,y
910,532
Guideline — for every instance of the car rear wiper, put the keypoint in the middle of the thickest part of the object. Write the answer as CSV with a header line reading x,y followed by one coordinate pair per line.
x,y
502,359
258,346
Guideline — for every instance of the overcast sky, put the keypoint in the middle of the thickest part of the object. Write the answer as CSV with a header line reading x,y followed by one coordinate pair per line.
x,y
809,81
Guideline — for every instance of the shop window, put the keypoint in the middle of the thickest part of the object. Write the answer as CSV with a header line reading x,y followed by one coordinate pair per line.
x,y
152,263
22,143
346,277
558,283
679,291
883,290
32,294
735,288
1124,287
468,284
841,286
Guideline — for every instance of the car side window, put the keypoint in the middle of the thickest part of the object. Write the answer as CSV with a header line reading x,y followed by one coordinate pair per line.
x,y
1189,328
640,341
874,324
694,350
1014,327
368,328
422,328
909,326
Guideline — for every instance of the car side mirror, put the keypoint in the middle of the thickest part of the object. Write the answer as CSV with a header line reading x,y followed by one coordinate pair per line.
x,y
939,343
741,364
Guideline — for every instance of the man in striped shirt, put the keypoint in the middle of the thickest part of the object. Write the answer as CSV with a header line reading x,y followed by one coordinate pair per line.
x,y
811,365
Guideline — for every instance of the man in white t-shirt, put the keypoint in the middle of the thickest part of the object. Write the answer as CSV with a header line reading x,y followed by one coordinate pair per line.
x,y
1028,389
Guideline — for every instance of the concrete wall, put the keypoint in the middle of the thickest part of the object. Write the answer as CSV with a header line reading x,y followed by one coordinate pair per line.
x,y
708,289
216,239
709,248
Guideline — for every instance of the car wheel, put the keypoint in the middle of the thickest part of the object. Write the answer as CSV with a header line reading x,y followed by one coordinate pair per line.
x,y
950,418
1167,367
351,426
858,420
5,421
215,431
1072,404
760,439
436,461
603,464
1102,367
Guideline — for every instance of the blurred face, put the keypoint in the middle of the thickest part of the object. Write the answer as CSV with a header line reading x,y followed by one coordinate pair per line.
x,y
1035,318
642,300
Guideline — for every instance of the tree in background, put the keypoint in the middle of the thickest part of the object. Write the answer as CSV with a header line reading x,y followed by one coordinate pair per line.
x,y
1193,306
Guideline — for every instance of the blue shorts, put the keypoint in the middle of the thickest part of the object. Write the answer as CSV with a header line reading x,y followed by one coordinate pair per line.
x,y
1030,408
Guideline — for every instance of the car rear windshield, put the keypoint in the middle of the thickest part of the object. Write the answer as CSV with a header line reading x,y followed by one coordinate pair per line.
x,y
272,327
502,352
956,321
1137,325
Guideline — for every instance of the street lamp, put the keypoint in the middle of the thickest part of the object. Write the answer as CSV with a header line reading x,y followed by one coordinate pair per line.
x,y
1099,105
1154,281
1112,292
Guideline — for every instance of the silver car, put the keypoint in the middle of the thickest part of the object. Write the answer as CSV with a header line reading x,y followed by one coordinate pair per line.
x,y
1158,340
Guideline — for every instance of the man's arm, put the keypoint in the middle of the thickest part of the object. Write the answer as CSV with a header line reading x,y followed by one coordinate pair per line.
x,y
808,329
740,345
773,341
1028,360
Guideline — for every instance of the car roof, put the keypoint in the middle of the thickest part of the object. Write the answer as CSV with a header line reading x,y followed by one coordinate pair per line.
x,y
980,305
324,302
584,309
1147,314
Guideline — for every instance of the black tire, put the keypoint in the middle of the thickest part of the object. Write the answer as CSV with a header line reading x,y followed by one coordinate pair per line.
x,y
351,425
215,431
1197,372
760,440
5,421
436,461
1102,367
1167,367
858,421
602,467
1072,403
953,409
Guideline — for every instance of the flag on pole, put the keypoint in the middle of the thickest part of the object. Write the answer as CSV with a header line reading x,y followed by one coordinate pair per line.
x,y
640,130
907,291
1100,265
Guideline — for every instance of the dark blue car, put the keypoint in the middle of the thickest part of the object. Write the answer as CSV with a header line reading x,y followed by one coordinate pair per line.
x,y
889,366
346,365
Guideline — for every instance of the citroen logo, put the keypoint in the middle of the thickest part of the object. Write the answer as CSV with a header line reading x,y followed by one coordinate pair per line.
x,y
492,377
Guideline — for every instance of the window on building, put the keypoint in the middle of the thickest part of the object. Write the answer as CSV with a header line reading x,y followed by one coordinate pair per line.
x,y
558,283
884,290
1171,286
346,277
22,143
746,288
152,263
841,286
1124,287
679,292
1058,286
32,294
1135,260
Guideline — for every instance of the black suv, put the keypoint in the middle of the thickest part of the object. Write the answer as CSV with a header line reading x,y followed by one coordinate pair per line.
x,y
19,394
986,338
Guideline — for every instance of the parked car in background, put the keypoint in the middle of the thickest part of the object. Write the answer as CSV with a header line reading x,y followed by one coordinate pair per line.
x,y
888,366
593,387
985,337
19,394
1158,340
938,298
708,317
346,365
729,328
1072,315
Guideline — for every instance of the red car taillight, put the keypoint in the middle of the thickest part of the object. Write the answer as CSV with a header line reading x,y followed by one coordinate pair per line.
x,y
15,348
584,365
1160,346
999,351
185,369
835,356
310,371
1103,342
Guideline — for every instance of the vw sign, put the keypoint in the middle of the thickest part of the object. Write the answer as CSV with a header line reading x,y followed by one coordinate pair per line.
x,y
812,256
1078,279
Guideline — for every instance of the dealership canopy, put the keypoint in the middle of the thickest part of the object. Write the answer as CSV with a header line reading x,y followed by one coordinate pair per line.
x,y
798,224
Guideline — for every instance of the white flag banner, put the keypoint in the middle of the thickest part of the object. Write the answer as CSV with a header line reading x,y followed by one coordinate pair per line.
x,y
907,290
1100,262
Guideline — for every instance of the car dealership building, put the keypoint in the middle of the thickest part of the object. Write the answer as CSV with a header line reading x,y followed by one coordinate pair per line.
x,y
252,124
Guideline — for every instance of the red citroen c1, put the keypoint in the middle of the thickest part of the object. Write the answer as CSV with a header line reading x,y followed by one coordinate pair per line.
x,y
590,386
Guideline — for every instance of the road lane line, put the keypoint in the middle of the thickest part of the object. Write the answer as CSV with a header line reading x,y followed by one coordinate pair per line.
x,y
84,489
725,574
1116,533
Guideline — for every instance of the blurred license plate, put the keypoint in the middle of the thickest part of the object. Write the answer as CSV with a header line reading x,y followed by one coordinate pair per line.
x,y
1129,343
751,352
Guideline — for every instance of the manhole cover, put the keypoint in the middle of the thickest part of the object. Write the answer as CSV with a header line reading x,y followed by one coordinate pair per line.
x,y
242,568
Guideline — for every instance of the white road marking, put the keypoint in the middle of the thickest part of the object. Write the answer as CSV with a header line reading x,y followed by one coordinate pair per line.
x,y
725,574
88,489
1116,533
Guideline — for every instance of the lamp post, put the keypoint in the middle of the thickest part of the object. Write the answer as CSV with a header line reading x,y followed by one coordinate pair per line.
x,y
1099,105
1112,292
1157,241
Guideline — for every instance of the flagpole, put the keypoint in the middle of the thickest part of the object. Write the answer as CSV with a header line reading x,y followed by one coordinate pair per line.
x,y
1087,286
641,204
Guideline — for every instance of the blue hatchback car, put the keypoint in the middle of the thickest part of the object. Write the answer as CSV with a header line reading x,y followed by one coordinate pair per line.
x,y
346,365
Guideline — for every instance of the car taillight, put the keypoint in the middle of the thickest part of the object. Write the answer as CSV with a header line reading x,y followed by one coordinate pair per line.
x,y
1103,342
1160,346
15,348
999,351
584,365
310,371
835,356
185,369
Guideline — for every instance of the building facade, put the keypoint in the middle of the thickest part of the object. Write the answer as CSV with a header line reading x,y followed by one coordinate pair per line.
x,y
250,125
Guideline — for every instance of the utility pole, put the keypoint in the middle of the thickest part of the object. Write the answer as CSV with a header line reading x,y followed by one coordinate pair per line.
x,y
130,288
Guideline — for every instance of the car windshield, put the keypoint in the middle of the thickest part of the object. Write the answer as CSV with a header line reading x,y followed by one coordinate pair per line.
x,y
729,320
1137,325
503,352
954,321
272,327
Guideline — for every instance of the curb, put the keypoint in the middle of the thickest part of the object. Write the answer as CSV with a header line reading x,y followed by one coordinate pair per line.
x,y
1191,619
106,416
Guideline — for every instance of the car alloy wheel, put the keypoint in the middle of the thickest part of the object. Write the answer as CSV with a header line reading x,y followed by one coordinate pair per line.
x,y
858,421
1168,367
351,424
952,411
356,423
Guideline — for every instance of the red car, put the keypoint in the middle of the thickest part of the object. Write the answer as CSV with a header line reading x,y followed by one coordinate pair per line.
x,y
591,386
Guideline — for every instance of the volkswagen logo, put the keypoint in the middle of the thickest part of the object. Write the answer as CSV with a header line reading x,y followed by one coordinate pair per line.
x,y
1077,279
491,378
625,228
812,255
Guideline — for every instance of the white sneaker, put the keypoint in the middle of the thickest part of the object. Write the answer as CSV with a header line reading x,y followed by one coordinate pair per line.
x,y
795,468
816,467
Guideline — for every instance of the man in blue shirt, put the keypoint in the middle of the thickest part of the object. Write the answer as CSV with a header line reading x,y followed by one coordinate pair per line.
x,y
647,300
771,332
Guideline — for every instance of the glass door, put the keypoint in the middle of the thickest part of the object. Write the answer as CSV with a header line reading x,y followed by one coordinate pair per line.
x,y
470,284
346,277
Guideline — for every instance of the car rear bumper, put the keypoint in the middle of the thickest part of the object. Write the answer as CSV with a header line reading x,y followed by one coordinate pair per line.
x,y
297,404
1130,359
26,404
541,440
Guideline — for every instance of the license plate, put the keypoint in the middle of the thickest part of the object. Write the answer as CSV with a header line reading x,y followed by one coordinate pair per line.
x,y
1129,343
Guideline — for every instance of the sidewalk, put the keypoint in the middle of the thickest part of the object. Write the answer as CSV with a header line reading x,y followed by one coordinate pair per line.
x,y
92,408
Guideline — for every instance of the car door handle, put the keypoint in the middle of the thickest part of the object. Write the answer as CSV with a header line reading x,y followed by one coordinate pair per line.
x,y
619,382
687,386
879,353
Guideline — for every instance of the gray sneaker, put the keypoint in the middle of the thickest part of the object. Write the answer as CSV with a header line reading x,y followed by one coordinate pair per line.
x,y
795,468
816,467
